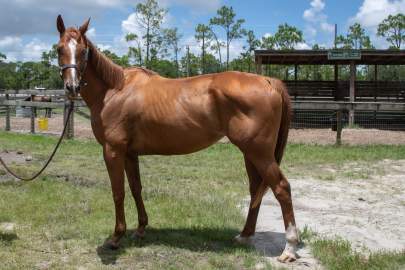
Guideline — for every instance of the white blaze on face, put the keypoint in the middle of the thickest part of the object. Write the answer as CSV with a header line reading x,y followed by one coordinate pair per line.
x,y
72,47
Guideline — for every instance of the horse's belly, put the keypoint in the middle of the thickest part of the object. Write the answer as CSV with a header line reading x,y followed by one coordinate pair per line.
x,y
173,142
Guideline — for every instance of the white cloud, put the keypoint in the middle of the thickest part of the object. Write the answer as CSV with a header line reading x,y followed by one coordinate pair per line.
x,y
91,33
20,20
302,46
15,50
310,31
312,13
372,12
9,42
32,51
316,18
197,6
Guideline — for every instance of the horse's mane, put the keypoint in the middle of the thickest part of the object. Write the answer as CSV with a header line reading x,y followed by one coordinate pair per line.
x,y
144,70
111,73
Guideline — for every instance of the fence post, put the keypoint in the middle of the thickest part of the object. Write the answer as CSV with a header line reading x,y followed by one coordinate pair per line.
x,y
70,126
33,112
8,126
339,127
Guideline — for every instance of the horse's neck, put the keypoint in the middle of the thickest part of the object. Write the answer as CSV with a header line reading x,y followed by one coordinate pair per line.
x,y
95,90
101,74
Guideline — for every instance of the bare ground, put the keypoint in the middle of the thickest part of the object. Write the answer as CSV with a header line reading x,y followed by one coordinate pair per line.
x,y
370,213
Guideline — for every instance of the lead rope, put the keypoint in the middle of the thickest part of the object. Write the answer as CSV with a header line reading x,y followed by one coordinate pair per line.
x,y
71,107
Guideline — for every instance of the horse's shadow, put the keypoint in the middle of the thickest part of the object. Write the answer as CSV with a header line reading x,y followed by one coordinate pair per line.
x,y
193,239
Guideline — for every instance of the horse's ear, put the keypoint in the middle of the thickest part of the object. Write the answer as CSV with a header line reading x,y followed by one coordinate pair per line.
x,y
84,27
60,25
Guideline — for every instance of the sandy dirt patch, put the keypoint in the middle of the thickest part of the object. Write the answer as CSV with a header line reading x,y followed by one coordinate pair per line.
x,y
82,127
349,136
370,213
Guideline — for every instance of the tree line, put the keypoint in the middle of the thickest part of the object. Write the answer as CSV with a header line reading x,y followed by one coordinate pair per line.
x,y
160,49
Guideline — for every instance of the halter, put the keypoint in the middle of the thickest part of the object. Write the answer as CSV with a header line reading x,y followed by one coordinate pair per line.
x,y
75,66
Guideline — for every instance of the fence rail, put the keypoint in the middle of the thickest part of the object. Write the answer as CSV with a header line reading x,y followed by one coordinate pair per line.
x,y
330,112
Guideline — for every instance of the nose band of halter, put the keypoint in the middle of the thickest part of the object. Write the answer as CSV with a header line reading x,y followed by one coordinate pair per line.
x,y
75,66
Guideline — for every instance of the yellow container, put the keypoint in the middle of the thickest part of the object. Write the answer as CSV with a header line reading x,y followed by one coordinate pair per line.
x,y
43,124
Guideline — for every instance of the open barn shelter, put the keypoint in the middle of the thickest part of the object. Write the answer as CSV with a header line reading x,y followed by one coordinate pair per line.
x,y
373,88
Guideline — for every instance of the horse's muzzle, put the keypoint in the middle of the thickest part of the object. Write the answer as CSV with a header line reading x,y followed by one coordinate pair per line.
x,y
72,90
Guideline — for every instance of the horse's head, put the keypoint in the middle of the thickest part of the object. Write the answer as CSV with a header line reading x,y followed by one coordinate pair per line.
x,y
73,55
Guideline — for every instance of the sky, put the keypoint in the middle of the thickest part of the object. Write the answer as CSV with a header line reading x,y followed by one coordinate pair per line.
x,y
28,27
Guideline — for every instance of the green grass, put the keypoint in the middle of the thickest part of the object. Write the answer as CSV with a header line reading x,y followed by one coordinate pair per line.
x,y
62,218
338,255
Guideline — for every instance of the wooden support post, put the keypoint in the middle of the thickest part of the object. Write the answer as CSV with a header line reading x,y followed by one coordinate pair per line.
x,y
259,68
8,115
70,127
337,95
352,91
375,88
339,127
33,112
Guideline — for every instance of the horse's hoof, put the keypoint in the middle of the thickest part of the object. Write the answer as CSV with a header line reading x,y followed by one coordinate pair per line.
x,y
138,234
110,245
242,239
287,257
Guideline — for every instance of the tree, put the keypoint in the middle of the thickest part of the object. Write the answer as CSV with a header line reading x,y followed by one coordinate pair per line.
x,y
287,37
171,39
203,34
393,29
134,52
2,57
233,29
211,63
192,64
122,61
150,17
164,67
356,38
252,44
218,44
268,42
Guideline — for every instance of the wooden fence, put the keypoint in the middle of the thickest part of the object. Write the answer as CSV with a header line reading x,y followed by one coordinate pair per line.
x,y
11,98
392,91
16,98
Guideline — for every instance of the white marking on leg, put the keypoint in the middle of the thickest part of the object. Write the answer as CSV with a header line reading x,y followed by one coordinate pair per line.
x,y
72,46
290,250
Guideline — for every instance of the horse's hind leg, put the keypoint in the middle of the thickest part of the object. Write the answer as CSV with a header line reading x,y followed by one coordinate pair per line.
x,y
250,225
271,173
134,180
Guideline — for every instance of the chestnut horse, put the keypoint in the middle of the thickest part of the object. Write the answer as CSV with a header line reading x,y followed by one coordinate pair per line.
x,y
136,112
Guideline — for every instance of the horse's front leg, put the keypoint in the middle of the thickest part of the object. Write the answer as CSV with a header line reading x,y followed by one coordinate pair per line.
x,y
115,162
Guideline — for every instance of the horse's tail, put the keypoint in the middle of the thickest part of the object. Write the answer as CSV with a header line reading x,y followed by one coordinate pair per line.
x,y
286,114
285,119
